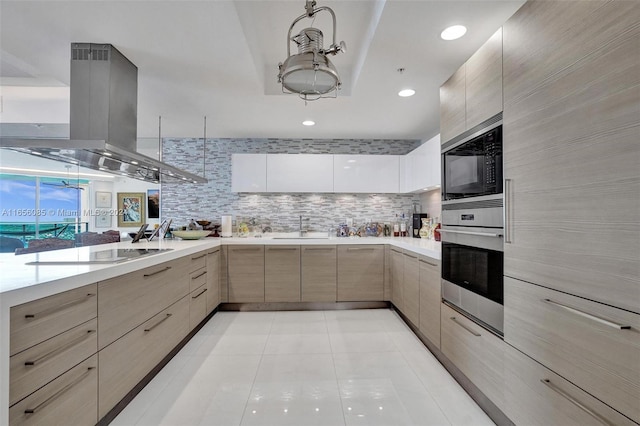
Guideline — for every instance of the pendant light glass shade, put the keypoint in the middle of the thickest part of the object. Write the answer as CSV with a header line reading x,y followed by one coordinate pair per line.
x,y
310,73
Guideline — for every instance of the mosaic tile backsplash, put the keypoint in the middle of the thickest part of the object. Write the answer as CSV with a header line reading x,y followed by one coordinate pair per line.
x,y
183,202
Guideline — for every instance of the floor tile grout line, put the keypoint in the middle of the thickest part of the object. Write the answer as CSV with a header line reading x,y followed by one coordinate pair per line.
x,y
246,404
335,371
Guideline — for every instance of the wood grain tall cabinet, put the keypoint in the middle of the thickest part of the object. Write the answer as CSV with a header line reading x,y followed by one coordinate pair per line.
x,y
473,93
572,191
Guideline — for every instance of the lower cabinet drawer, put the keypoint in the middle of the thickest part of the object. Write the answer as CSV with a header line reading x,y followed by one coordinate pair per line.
x,y
536,396
35,367
127,301
127,360
197,306
71,399
478,353
34,322
594,346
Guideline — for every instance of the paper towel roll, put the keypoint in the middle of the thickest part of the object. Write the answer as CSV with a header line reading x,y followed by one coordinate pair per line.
x,y
226,226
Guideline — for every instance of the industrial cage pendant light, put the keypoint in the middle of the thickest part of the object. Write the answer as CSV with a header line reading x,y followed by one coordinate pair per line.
x,y
310,73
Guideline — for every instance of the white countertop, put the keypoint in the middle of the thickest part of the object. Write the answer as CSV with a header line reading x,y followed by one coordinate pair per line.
x,y
20,282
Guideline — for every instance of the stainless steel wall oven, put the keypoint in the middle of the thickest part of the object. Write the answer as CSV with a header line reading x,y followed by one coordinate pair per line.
x,y
473,226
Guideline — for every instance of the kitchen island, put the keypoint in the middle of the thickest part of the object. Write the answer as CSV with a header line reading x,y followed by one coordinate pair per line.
x,y
22,282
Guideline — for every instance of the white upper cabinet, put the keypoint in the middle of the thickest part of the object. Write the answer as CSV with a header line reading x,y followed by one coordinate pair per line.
x,y
366,173
299,173
420,168
249,172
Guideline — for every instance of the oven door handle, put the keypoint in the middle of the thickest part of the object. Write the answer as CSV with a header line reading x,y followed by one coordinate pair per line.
x,y
480,234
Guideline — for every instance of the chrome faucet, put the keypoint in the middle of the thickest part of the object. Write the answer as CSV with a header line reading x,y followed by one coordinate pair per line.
x,y
300,230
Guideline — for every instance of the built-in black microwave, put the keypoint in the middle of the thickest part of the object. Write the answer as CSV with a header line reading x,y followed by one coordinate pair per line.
x,y
473,166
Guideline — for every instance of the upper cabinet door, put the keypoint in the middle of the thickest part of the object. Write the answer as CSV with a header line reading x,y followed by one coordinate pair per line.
x,y
452,106
248,172
366,173
300,173
420,169
484,82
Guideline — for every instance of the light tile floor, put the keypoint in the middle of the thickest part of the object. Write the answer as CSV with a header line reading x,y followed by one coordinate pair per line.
x,y
359,367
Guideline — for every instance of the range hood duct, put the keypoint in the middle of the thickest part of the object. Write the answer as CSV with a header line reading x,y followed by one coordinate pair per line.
x,y
103,120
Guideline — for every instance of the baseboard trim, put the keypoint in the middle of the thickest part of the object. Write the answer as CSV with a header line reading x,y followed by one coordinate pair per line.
x,y
301,306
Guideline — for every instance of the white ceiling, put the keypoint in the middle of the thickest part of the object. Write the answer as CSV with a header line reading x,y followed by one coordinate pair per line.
x,y
219,59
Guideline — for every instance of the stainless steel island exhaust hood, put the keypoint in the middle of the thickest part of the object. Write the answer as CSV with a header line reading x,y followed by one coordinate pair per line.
x,y
103,120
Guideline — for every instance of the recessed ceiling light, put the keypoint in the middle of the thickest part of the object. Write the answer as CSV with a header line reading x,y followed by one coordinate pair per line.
x,y
134,162
453,32
309,123
405,93
108,154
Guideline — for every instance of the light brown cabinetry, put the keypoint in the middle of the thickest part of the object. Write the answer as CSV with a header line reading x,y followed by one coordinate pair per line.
x,y
387,274
360,273
127,301
213,279
411,287
129,359
588,342
430,299
51,340
282,274
35,367
571,150
473,93
246,274
319,274
224,274
536,396
483,82
198,297
70,399
452,106
475,351
397,272
34,322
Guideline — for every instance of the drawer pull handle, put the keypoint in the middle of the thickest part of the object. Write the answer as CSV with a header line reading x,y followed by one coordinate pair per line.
x,y
199,294
213,252
410,256
158,323
247,249
199,275
60,349
574,401
588,315
361,249
62,307
199,257
157,272
454,319
428,263
397,251
319,248
59,393
283,248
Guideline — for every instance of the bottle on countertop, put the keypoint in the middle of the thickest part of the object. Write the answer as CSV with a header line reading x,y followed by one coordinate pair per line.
x,y
436,230
396,227
403,226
